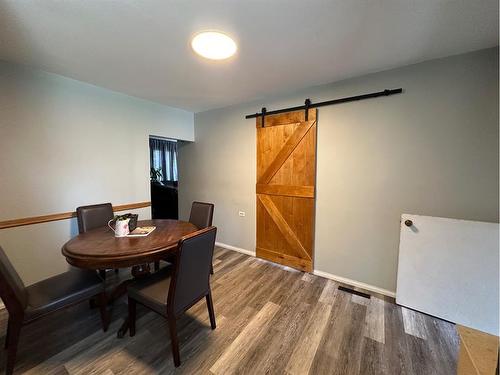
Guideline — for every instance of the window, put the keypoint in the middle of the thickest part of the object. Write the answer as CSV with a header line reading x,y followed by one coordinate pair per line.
x,y
163,157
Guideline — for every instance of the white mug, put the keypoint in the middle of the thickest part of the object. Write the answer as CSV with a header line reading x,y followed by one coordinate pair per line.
x,y
121,227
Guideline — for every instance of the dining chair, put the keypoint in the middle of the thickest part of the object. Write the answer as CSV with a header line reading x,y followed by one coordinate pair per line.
x,y
173,290
94,216
201,215
27,304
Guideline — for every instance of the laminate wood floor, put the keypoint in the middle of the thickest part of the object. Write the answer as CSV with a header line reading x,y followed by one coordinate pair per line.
x,y
270,320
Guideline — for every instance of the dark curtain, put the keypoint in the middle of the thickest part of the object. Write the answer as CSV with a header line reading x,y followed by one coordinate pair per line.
x,y
163,155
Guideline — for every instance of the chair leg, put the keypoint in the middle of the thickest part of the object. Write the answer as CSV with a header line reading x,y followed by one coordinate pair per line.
x,y
157,266
104,311
14,331
131,315
7,333
211,269
211,312
102,273
175,341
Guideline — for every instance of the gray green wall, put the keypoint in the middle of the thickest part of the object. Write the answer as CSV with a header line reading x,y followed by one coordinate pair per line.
x,y
432,150
63,144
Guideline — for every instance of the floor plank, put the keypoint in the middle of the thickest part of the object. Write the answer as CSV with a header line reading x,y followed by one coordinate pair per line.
x,y
414,323
373,361
329,292
374,321
227,363
303,354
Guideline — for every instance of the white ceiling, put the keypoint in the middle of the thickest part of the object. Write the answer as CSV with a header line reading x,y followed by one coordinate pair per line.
x,y
142,47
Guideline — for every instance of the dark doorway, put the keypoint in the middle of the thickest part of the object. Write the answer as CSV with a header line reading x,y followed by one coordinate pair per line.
x,y
164,179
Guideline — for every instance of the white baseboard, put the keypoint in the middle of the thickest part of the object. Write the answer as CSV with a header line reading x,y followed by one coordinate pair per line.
x,y
326,275
238,249
355,283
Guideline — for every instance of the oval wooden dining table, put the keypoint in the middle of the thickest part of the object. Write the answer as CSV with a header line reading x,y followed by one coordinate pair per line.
x,y
99,249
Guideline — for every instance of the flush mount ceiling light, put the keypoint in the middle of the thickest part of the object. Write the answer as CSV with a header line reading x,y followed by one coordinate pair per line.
x,y
213,45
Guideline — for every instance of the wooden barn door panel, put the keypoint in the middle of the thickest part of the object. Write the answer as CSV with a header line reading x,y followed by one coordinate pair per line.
x,y
286,179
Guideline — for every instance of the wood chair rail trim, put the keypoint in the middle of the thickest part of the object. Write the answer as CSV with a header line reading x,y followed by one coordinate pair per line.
x,y
62,216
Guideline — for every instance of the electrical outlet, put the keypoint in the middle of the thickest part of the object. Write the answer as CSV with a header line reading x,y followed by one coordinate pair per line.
x,y
241,213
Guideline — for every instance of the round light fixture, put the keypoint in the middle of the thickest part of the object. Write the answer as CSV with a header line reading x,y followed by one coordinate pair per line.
x,y
213,45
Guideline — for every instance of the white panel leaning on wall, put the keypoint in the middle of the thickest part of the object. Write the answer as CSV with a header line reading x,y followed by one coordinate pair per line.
x,y
450,269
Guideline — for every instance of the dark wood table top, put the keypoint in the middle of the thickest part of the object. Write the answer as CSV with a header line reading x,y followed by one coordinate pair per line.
x,y
100,249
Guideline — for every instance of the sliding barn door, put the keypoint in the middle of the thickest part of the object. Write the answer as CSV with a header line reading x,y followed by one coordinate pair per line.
x,y
286,179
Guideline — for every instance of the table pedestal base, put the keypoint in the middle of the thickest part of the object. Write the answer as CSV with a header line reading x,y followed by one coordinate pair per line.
x,y
138,272
120,290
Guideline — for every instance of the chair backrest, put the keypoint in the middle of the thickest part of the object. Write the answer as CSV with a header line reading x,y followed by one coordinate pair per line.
x,y
201,214
93,216
12,289
190,279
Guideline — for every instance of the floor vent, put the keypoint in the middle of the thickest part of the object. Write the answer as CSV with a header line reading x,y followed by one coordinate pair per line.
x,y
352,291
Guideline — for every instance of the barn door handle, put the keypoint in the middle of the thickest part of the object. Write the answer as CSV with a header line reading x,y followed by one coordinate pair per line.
x,y
408,223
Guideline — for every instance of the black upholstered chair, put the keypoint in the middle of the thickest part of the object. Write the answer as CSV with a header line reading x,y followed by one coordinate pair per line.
x,y
94,216
27,304
201,214
173,290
